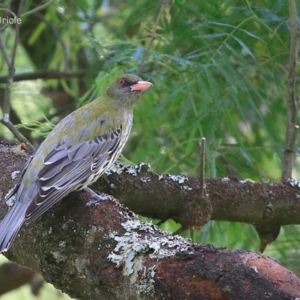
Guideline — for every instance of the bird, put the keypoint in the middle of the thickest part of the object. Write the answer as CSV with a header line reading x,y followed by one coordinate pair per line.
x,y
79,149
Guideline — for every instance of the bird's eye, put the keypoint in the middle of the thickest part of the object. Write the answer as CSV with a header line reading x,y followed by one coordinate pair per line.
x,y
121,82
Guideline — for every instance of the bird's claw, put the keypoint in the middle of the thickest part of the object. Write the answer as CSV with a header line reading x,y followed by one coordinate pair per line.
x,y
96,198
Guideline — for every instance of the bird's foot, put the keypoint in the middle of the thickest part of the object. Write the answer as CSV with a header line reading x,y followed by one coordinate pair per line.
x,y
96,198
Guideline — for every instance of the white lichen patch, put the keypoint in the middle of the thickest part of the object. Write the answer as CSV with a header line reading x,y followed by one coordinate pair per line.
x,y
294,182
247,180
145,179
112,186
7,195
6,117
135,170
132,170
90,234
11,199
177,178
59,257
146,282
14,174
243,181
160,177
135,242
187,188
62,244
80,264
139,167
114,168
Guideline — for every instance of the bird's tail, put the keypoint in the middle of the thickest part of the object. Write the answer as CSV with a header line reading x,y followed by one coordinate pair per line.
x,y
10,226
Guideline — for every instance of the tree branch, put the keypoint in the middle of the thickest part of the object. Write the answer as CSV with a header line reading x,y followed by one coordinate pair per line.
x,y
202,167
36,9
48,74
291,126
106,251
10,61
144,192
17,34
14,276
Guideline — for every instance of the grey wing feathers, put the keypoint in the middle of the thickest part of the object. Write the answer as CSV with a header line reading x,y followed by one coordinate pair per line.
x,y
67,169
10,226
15,189
14,219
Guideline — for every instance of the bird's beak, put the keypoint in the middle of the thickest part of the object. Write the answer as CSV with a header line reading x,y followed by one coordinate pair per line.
x,y
141,86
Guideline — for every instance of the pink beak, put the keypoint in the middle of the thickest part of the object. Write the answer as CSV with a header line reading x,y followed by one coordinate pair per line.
x,y
141,86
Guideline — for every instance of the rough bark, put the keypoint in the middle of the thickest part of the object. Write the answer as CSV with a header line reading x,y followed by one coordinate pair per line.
x,y
104,251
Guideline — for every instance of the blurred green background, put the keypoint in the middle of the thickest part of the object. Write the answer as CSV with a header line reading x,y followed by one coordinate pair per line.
x,y
219,70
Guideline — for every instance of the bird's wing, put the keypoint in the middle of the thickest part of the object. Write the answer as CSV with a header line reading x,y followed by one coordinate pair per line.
x,y
16,187
67,168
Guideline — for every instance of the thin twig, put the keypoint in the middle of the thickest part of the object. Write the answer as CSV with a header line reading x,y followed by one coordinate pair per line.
x,y
9,11
153,35
17,34
27,13
291,127
202,167
36,9
10,61
11,66
48,74
17,134
4,52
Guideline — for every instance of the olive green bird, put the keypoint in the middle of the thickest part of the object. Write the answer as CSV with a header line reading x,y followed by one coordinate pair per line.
x,y
79,149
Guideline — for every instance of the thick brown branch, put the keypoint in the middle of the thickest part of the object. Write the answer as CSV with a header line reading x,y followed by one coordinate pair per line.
x,y
104,251
177,197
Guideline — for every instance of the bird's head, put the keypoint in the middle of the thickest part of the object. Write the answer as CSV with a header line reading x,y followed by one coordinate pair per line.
x,y
126,90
